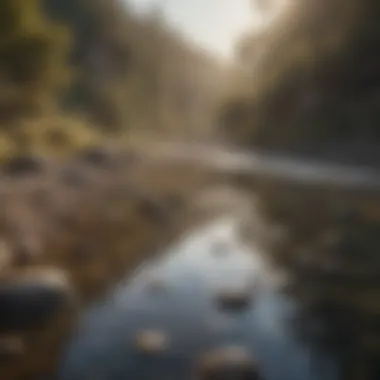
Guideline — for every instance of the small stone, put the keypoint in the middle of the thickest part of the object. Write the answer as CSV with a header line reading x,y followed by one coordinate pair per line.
x,y
234,299
24,165
151,341
232,362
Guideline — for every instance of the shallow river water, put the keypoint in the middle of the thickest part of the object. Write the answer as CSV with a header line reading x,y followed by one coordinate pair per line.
x,y
175,293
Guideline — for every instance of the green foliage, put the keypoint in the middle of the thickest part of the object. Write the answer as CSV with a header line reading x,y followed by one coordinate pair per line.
x,y
124,65
97,60
32,64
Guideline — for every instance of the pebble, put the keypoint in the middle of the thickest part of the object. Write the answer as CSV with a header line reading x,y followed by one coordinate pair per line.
x,y
151,341
24,165
31,299
231,362
234,300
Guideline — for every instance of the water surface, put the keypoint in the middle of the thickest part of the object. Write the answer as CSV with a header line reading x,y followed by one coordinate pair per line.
x,y
191,272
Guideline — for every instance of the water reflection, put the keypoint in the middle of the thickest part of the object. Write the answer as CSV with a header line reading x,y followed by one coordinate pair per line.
x,y
184,311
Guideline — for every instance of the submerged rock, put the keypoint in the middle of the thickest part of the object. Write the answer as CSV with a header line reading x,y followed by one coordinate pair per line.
x,y
234,299
151,341
227,363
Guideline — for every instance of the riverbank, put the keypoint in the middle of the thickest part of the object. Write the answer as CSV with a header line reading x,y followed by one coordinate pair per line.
x,y
90,219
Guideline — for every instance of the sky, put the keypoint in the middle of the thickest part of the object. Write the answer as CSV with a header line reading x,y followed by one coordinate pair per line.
x,y
213,24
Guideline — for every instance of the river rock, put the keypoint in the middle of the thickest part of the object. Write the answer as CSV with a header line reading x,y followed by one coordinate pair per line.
x,y
151,341
30,300
234,299
24,165
232,362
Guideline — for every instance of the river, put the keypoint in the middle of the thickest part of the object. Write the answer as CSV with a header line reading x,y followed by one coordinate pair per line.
x,y
176,294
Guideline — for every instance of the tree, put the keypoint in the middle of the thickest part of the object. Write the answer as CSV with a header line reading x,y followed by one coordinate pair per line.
x,y
32,58
314,86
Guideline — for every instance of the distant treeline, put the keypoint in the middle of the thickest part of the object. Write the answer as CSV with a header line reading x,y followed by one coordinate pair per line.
x,y
98,61
310,84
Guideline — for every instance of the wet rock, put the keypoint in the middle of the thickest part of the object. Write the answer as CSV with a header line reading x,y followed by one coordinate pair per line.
x,y
151,341
30,300
11,346
234,299
227,363
24,165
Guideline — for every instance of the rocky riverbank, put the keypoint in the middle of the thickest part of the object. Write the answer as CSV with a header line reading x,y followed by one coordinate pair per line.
x,y
71,229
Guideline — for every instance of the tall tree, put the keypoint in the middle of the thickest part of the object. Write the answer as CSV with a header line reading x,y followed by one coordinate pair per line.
x,y
32,58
